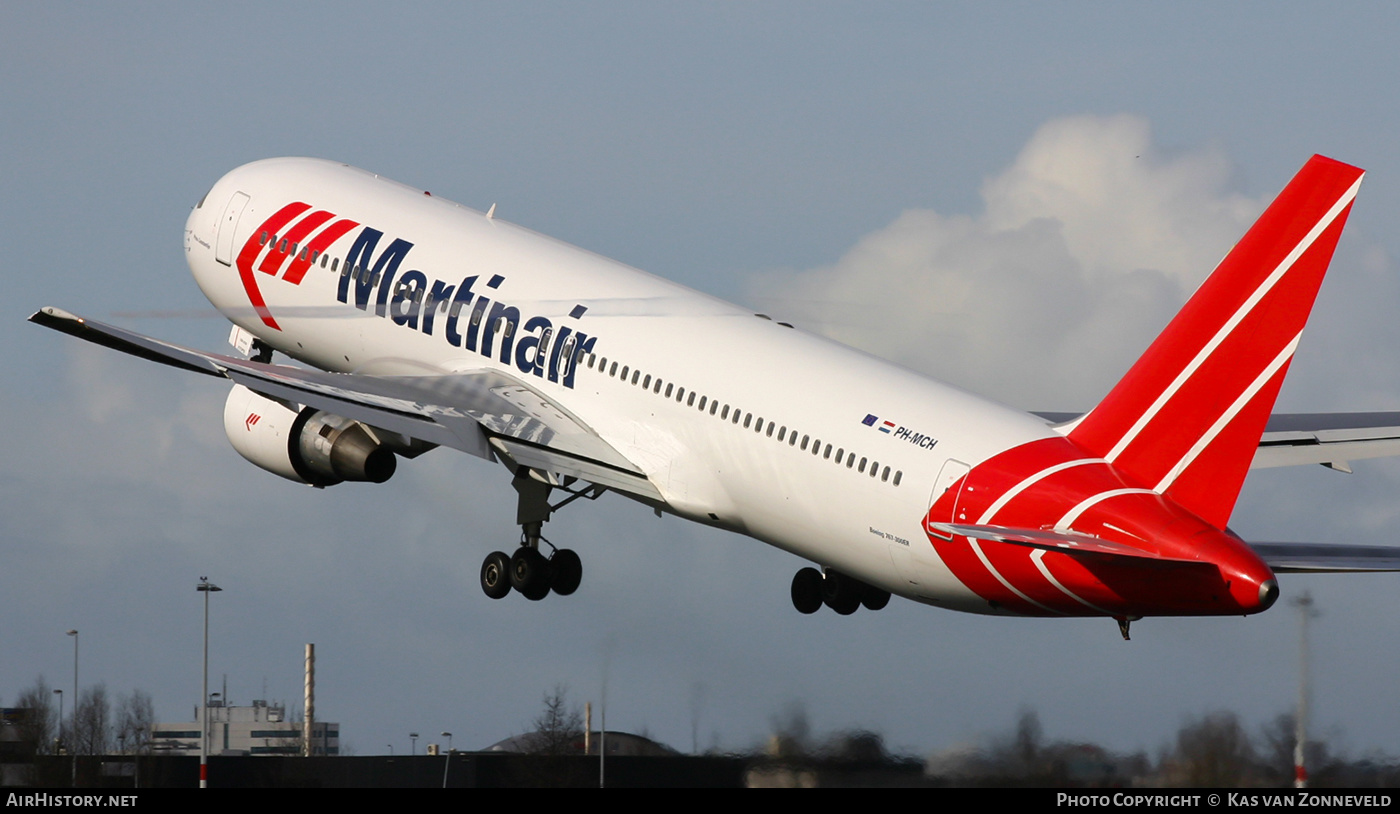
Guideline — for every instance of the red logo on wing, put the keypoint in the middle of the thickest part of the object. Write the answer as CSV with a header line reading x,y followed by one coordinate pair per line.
x,y
276,246
251,420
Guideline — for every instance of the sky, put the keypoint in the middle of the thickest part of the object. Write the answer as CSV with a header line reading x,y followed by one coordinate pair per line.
x,y
1011,197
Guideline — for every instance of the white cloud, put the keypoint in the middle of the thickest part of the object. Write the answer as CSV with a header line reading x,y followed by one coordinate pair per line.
x,y
1087,244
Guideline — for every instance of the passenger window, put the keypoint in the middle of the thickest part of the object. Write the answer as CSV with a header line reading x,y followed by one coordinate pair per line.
x,y
827,454
804,442
885,476
724,413
646,383
897,476
657,387
861,468
748,418
668,391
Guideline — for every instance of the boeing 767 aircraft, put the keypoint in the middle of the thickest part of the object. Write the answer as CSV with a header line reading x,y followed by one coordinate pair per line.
x,y
422,323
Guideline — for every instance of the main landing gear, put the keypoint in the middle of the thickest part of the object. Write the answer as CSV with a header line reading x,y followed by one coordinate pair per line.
x,y
811,589
529,571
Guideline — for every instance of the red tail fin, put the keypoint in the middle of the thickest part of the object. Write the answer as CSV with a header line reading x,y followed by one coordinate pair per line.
x,y
1187,417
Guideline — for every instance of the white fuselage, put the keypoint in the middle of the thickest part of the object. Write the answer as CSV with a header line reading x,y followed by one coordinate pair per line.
x,y
789,383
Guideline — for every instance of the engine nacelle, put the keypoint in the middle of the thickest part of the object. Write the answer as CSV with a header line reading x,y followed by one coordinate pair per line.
x,y
305,445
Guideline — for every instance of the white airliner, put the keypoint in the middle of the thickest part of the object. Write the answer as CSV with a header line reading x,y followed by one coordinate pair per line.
x,y
424,323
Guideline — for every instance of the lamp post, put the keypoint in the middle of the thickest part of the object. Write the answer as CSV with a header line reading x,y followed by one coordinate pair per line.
x,y
413,743
59,693
1304,604
73,733
447,761
206,587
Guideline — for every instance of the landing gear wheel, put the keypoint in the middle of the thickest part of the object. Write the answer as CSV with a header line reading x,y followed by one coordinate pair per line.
x,y
807,590
874,598
529,573
568,571
841,593
495,574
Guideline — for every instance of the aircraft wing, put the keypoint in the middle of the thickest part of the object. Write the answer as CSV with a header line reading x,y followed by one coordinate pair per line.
x,y
1312,558
466,411
1330,439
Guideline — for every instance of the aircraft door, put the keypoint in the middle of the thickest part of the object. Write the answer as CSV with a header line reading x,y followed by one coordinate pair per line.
x,y
952,472
228,224
916,561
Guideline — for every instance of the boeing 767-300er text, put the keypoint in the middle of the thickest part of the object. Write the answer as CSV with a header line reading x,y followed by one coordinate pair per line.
x,y
424,323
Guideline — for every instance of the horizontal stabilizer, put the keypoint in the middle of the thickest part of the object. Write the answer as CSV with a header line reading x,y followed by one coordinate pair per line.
x,y
1065,542
1313,558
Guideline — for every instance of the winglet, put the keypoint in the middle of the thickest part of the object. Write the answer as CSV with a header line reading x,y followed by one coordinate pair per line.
x,y
1187,417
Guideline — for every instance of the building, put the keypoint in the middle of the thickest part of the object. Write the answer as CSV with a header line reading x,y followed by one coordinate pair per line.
x,y
261,729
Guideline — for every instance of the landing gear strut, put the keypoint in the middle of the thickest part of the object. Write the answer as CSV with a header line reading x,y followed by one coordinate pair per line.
x,y
528,570
811,589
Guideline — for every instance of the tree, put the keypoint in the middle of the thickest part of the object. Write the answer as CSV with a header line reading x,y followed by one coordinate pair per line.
x,y
1279,737
559,727
41,725
1214,751
135,717
92,727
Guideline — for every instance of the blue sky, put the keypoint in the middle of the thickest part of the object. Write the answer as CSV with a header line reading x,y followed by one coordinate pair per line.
x,y
760,152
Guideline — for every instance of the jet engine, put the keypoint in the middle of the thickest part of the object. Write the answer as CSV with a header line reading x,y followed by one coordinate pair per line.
x,y
304,444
